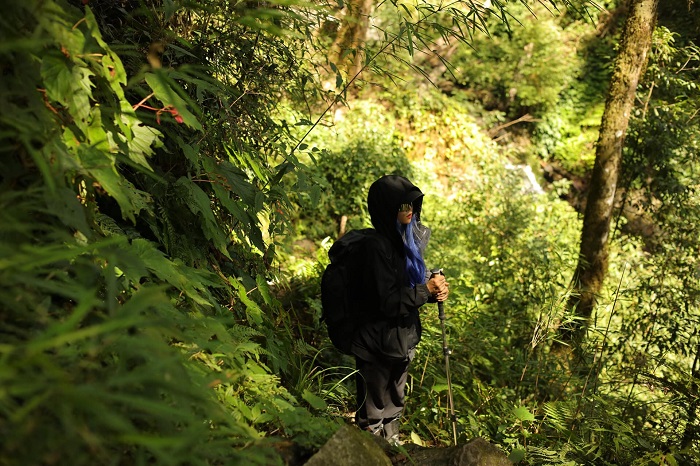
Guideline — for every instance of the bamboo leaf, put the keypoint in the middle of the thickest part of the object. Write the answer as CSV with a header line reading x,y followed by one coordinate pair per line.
x,y
43,344
191,281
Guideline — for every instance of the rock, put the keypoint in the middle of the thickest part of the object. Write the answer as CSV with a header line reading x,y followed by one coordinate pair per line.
x,y
477,452
350,446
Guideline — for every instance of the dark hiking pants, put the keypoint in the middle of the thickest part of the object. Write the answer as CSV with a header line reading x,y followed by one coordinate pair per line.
x,y
380,391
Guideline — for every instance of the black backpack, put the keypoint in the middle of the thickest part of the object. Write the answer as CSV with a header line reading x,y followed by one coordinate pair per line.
x,y
340,281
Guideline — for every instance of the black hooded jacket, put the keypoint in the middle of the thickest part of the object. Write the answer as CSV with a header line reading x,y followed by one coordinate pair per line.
x,y
389,303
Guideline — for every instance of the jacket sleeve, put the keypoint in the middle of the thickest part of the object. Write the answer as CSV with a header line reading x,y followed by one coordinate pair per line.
x,y
384,281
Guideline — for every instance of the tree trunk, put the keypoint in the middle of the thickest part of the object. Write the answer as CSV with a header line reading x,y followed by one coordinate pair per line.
x,y
593,258
347,49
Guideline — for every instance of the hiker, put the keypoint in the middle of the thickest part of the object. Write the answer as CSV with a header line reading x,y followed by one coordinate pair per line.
x,y
395,284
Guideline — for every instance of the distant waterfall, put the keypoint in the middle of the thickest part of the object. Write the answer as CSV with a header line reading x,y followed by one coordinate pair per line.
x,y
532,186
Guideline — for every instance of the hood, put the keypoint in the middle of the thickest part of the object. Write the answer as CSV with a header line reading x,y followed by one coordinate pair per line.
x,y
383,201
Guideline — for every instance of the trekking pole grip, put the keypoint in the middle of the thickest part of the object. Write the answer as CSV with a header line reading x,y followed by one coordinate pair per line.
x,y
441,305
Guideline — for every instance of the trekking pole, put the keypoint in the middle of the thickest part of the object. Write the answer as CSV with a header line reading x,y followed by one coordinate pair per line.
x,y
446,352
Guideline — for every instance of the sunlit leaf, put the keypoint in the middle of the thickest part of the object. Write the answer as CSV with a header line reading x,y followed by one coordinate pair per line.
x,y
523,414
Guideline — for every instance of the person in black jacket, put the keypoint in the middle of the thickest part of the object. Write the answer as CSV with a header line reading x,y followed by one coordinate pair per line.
x,y
395,284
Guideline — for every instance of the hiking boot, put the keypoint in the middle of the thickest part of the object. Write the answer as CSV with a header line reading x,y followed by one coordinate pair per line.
x,y
391,432
376,429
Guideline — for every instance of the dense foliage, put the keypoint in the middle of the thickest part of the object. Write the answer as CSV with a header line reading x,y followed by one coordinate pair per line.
x,y
174,173
137,318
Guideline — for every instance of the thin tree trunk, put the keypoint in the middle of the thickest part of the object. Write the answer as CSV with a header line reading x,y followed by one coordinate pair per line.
x,y
347,51
593,259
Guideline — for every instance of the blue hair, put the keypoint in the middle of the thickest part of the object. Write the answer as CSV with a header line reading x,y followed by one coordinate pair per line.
x,y
415,266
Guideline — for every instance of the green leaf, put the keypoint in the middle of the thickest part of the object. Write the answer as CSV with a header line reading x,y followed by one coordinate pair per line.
x,y
338,81
191,152
191,281
163,90
199,203
409,37
63,202
232,178
115,73
90,331
94,28
264,290
315,401
101,167
516,455
141,140
69,84
523,414
79,101
253,311
97,135
245,159
443,387
72,40
415,439
57,76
